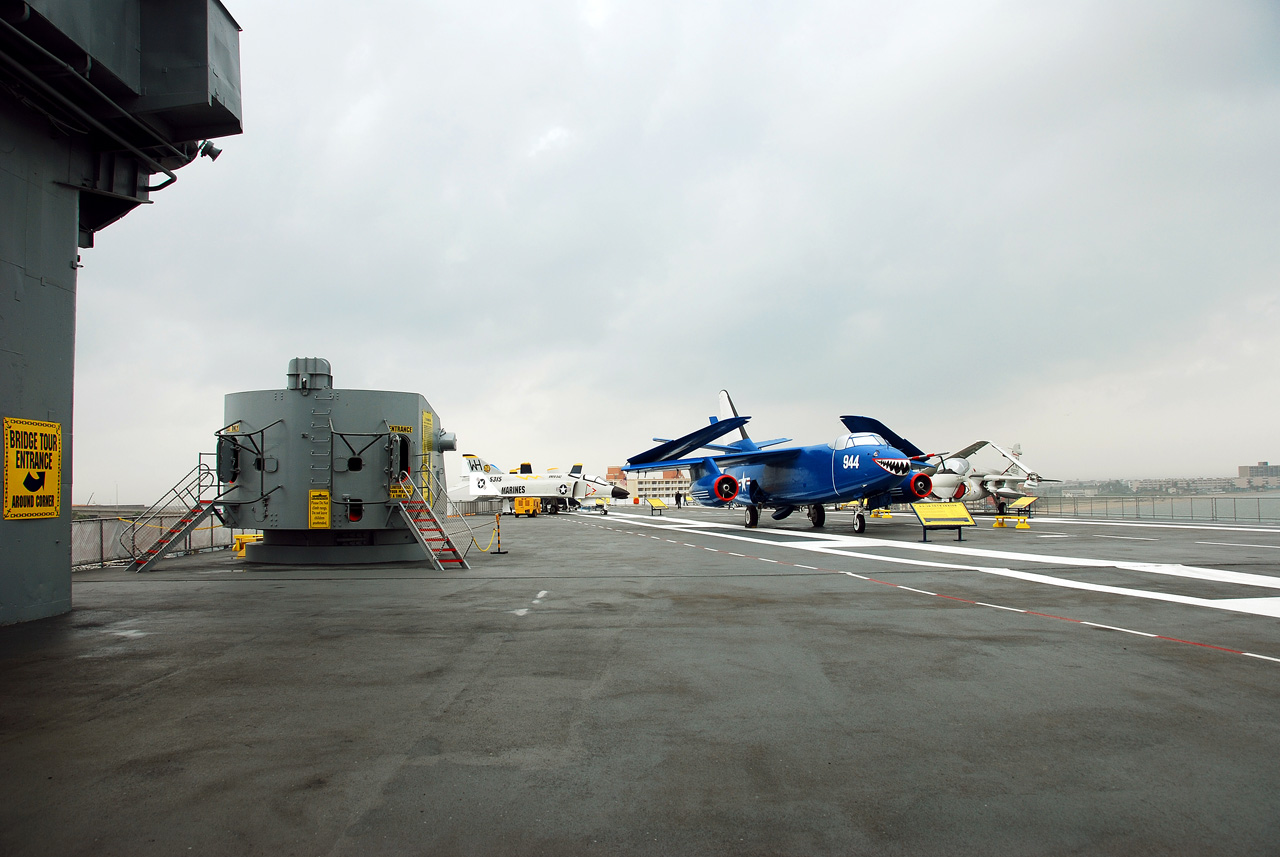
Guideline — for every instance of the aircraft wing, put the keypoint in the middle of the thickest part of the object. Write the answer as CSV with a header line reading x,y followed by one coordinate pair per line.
x,y
758,456
969,450
732,447
873,425
1017,462
667,453
991,478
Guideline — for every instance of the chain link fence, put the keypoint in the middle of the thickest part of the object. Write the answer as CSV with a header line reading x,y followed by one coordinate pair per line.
x,y
469,508
1256,510
97,541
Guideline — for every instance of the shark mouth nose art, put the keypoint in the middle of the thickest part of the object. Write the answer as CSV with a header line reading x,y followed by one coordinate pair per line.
x,y
896,466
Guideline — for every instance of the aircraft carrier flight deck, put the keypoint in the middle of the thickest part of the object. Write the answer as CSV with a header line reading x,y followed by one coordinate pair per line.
x,y
669,684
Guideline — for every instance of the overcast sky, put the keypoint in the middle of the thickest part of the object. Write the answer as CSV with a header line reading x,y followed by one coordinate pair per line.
x,y
569,224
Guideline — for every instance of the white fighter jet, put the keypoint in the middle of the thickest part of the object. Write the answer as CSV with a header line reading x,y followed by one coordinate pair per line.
x,y
956,477
484,481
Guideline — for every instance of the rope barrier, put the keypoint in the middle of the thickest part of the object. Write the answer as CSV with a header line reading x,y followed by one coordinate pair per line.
x,y
485,549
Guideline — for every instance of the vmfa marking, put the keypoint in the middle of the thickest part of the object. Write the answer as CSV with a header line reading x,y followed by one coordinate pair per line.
x,y
32,469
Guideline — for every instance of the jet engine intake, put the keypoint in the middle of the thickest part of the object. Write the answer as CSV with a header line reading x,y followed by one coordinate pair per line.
x,y
914,487
725,488
920,485
715,489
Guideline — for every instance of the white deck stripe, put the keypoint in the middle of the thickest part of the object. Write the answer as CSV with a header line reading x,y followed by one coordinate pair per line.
x,y
1114,628
1261,657
826,542
1272,604
835,545
1102,522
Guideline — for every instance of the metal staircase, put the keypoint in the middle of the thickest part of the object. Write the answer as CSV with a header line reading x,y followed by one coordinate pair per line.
x,y
430,531
192,494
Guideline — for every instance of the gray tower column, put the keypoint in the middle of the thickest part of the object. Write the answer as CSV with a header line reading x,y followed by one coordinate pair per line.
x,y
38,254
96,98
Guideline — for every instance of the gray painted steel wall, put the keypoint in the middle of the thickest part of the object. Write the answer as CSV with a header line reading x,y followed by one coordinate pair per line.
x,y
37,343
87,116
313,437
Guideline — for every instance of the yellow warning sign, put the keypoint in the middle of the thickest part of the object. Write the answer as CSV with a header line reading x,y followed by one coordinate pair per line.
x,y
318,510
428,442
32,469
945,515
400,429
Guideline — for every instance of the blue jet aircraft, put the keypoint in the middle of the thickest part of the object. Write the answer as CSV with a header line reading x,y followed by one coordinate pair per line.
x,y
869,463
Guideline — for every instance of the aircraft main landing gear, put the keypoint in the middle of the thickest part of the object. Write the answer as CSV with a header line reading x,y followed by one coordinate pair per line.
x,y
817,514
752,517
859,523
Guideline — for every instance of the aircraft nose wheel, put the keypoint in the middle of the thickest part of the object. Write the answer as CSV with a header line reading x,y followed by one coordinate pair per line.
x,y
859,522
817,514
752,516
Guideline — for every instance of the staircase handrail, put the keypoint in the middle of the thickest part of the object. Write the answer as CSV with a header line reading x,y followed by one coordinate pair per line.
x,y
451,508
187,492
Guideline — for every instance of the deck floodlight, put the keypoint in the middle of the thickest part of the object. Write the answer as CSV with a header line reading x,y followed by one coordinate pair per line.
x,y
210,151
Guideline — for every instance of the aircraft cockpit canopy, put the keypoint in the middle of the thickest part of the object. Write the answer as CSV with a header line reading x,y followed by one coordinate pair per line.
x,y
862,438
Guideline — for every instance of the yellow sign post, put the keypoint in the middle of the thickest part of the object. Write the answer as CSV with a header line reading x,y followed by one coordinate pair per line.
x,y
1019,511
32,469
318,511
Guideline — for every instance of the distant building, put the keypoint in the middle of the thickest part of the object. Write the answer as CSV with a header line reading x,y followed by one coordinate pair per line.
x,y
665,485
1262,468
1193,485
1264,474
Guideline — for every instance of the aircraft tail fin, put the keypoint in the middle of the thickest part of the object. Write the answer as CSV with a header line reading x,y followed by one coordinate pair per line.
x,y
728,411
476,464
673,450
1014,457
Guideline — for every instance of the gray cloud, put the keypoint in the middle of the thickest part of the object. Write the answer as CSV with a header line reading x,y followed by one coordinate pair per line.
x,y
1006,220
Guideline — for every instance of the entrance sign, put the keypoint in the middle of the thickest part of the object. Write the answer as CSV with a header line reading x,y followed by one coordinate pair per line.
x,y
32,469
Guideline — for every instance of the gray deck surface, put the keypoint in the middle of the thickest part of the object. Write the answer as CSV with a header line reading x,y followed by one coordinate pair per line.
x,y
628,685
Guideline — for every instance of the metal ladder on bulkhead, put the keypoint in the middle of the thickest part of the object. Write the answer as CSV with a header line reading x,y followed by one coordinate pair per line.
x,y
429,531
189,495
321,437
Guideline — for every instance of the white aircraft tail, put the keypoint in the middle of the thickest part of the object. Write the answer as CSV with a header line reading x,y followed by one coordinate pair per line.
x,y
728,411
475,464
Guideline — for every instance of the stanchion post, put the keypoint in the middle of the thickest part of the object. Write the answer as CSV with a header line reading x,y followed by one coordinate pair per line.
x,y
497,525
